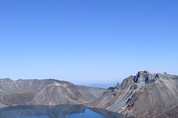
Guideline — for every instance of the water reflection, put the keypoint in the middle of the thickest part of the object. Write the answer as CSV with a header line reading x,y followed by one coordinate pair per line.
x,y
58,111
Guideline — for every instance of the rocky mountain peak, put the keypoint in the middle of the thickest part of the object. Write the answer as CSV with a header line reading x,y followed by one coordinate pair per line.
x,y
144,95
144,72
144,76
5,79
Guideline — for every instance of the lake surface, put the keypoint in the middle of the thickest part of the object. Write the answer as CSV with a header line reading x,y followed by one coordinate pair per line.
x,y
59,111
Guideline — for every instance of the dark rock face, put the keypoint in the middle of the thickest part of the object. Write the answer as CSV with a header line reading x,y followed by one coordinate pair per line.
x,y
144,76
144,95
45,92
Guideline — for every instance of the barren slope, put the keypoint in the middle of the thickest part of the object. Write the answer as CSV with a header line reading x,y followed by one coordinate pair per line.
x,y
144,95
45,92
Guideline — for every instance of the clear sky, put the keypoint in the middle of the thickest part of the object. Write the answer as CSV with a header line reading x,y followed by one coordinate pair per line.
x,y
87,41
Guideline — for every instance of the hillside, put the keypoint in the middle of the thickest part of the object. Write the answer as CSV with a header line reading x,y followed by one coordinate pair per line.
x,y
45,92
144,95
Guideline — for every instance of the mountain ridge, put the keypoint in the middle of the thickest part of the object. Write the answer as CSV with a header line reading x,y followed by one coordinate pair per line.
x,y
45,92
144,95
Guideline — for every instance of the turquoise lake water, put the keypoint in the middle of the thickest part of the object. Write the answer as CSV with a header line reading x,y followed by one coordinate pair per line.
x,y
88,114
59,111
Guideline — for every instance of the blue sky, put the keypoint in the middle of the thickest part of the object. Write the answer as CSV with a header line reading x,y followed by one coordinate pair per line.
x,y
87,41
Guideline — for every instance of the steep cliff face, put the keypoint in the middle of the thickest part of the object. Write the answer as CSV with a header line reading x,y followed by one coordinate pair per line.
x,y
144,95
45,92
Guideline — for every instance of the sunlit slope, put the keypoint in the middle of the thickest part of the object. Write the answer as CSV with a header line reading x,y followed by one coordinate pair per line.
x,y
45,92
144,95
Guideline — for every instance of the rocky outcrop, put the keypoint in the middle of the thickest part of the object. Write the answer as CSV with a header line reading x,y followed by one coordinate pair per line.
x,y
45,92
144,95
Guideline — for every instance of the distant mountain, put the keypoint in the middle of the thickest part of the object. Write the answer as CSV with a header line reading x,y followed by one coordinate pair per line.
x,y
102,85
45,92
144,95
